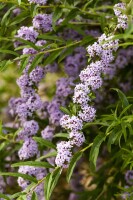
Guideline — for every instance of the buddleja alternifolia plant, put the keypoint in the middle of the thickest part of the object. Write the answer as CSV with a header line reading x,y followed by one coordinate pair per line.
x,y
43,37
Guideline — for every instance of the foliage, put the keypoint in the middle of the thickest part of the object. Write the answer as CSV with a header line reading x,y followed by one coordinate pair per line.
x,y
106,155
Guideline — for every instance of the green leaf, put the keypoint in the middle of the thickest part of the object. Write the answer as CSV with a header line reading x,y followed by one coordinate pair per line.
x,y
88,40
123,125
87,4
112,138
3,196
30,44
50,37
65,53
21,17
19,2
23,64
52,57
17,194
65,110
50,182
5,51
33,163
130,128
122,97
44,142
71,15
95,149
48,155
72,164
56,15
25,176
34,196
4,145
5,20
33,10
4,64
64,135
124,110
36,61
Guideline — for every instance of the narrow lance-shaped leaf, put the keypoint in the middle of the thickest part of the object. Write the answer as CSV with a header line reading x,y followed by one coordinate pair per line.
x,y
122,97
34,196
112,138
56,15
73,13
64,135
52,57
36,61
4,19
25,176
72,164
6,51
3,196
95,149
34,164
18,194
44,142
50,37
65,110
19,2
50,182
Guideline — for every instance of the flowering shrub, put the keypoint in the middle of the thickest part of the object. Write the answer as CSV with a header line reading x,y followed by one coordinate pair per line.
x,y
73,114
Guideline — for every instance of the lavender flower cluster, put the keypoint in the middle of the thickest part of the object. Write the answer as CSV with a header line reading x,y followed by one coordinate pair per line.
x,y
91,80
39,2
30,104
26,106
39,173
119,10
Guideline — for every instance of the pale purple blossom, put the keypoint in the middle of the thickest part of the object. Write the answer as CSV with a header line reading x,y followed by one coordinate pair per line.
x,y
64,87
52,68
122,22
72,123
16,11
107,57
94,49
27,92
27,33
29,51
55,117
23,111
39,173
76,138
119,8
94,69
95,82
48,133
34,103
30,128
72,66
39,2
37,74
28,149
87,114
129,177
107,42
41,43
24,81
43,22
64,154
81,92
